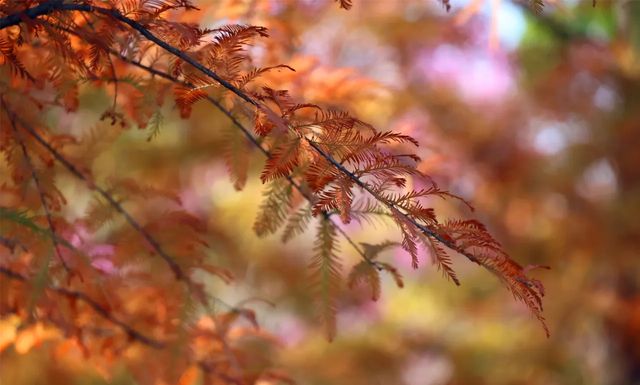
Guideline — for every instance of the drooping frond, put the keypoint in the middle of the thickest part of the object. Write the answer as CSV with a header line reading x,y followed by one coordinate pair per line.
x,y
366,149
441,259
274,208
281,98
339,198
155,125
410,236
236,157
395,274
102,40
185,98
319,174
225,54
325,275
365,272
9,57
232,38
297,223
472,238
368,270
182,35
284,158
409,200
538,6
372,251
528,290
345,4
335,126
470,235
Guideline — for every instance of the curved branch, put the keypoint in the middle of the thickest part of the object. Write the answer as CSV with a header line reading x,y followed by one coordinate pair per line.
x,y
102,311
58,5
41,194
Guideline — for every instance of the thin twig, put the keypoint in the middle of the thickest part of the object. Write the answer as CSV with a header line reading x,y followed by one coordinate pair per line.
x,y
393,207
41,194
102,311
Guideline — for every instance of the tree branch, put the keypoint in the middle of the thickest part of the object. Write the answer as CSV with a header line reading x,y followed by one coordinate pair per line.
x,y
250,137
173,265
176,52
246,132
425,230
102,311
31,13
57,5
36,180
404,216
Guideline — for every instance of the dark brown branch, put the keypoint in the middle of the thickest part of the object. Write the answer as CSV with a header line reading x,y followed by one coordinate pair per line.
x,y
238,125
101,310
176,52
257,144
31,13
249,137
180,54
253,141
58,5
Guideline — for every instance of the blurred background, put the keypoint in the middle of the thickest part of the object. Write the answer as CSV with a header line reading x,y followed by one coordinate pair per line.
x,y
534,118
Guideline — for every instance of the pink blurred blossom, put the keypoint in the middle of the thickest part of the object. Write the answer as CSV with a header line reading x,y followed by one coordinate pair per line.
x,y
477,74
291,331
100,253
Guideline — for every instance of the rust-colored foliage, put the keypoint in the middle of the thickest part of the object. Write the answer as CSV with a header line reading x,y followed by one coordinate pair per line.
x,y
321,163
